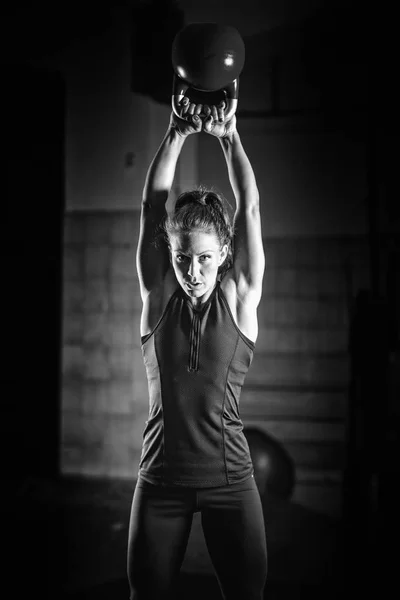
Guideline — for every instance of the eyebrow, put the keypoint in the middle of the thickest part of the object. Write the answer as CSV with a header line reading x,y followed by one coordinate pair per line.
x,y
199,254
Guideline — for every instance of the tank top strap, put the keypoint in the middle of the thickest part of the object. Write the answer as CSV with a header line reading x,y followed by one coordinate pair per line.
x,y
176,293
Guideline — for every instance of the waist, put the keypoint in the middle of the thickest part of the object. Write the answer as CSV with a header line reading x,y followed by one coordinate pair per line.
x,y
199,454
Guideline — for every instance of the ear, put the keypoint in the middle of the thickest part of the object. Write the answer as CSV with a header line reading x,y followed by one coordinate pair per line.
x,y
223,254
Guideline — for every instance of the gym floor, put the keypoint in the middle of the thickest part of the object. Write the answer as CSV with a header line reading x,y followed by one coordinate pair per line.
x,y
67,539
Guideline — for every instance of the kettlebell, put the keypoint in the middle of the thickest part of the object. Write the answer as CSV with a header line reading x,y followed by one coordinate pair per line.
x,y
207,59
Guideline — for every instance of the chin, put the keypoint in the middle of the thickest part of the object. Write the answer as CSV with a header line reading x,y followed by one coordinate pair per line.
x,y
195,292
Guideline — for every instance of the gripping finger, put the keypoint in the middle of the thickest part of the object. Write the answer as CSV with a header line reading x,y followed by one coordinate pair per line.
x,y
196,122
220,110
208,123
184,104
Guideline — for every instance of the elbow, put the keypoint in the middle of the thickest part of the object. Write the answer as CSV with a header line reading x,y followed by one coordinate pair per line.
x,y
154,200
256,197
253,207
251,198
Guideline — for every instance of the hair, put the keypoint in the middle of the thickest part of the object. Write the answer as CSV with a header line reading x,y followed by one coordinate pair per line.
x,y
205,210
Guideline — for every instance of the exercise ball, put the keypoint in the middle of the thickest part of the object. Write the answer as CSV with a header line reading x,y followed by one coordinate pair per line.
x,y
208,56
274,470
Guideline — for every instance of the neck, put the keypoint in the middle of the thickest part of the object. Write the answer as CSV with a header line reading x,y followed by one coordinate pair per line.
x,y
197,303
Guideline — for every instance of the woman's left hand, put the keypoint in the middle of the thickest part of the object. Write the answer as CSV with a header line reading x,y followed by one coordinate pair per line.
x,y
214,122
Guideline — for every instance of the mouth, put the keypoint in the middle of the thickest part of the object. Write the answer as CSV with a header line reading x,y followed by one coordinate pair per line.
x,y
193,286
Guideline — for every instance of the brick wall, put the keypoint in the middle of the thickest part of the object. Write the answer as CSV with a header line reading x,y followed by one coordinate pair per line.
x,y
296,389
104,388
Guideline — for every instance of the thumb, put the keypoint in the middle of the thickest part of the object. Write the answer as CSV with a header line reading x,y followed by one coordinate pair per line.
x,y
208,124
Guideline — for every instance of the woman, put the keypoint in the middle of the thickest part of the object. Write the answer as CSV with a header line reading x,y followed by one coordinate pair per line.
x,y
200,287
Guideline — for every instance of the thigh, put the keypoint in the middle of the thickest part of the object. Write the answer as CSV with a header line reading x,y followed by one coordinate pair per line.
x,y
159,530
234,530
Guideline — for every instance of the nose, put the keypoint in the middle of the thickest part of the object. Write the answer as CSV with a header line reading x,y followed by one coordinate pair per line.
x,y
193,270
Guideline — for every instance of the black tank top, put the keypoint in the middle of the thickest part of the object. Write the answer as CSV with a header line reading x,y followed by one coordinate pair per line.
x,y
196,363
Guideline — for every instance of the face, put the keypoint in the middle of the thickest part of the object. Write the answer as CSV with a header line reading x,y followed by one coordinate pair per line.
x,y
195,258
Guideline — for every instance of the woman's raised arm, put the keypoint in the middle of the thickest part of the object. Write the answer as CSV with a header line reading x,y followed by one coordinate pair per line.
x,y
152,259
248,255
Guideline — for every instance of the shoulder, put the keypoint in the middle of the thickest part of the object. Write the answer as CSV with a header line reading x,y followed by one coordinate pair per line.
x,y
237,290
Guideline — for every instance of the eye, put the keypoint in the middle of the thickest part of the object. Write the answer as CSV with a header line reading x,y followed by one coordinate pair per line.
x,y
180,258
204,258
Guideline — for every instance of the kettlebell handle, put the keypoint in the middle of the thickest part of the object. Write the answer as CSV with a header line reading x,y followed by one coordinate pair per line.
x,y
229,94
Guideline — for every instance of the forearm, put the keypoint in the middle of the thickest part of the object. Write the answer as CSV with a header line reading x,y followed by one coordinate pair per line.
x,y
161,172
240,171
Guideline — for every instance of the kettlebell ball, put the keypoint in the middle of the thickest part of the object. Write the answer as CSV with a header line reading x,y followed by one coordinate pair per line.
x,y
207,60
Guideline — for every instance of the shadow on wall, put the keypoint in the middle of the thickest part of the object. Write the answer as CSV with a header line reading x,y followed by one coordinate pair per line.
x,y
154,26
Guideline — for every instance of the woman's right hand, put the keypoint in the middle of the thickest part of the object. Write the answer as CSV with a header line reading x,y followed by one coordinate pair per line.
x,y
190,121
215,123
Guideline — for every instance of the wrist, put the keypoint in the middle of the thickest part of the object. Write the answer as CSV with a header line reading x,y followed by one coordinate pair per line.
x,y
175,135
229,137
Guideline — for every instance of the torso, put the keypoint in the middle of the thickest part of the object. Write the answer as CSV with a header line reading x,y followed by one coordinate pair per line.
x,y
243,308
196,361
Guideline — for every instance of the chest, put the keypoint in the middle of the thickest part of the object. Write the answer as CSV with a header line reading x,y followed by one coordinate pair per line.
x,y
188,338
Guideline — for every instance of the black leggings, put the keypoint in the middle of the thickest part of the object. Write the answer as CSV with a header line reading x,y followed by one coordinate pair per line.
x,y
234,531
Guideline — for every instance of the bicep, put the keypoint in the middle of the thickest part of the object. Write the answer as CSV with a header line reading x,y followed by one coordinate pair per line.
x,y
152,255
248,250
